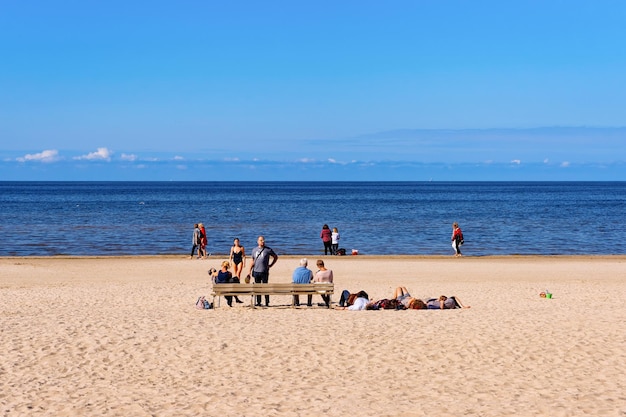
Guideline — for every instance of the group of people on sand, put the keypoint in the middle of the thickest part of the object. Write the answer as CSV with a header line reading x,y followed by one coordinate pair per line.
x,y
402,300
329,237
263,258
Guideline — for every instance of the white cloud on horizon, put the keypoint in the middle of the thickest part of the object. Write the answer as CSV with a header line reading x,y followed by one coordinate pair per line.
x,y
333,161
564,164
516,161
129,157
47,156
100,154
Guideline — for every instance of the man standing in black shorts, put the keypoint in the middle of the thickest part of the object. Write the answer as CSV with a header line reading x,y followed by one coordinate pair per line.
x,y
260,267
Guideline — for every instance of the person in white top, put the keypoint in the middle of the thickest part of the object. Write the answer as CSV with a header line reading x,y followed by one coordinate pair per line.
x,y
334,238
359,304
356,302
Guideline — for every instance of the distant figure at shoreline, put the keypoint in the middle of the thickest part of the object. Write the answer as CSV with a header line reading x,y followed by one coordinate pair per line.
x,y
326,236
457,239
196,241
335,241
203,241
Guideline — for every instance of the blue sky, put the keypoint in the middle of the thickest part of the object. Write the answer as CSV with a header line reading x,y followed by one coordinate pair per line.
x,y
243,90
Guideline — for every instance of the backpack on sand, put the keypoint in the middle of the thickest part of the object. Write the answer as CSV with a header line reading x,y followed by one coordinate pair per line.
x,y
203,304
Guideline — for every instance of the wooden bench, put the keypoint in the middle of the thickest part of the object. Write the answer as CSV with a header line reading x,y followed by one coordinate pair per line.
x,y
220,290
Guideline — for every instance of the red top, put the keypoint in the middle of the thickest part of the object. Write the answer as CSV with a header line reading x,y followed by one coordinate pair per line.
x,y
457,232
326,235
203,241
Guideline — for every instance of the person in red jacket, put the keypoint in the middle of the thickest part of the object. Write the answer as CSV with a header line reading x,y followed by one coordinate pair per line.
x,y
327,238
457,239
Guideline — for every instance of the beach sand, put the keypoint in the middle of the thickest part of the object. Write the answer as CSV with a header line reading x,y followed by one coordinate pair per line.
x,y
122,337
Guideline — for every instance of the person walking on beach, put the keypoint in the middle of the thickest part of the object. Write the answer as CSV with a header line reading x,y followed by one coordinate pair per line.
x,y
203,242
326,236
238,257
457,239
260,266
302,275
196,241
335,241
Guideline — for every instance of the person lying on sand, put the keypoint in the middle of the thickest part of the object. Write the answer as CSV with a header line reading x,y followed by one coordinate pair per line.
x,y
402,300
401,294
353,302
442,303
445,303
347,298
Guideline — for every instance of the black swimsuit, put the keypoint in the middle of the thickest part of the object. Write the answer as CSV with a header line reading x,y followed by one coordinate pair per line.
x,y
237,257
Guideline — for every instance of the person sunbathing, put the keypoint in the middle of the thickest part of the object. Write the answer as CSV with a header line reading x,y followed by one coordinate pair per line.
x,y
401,294
353,302
445,303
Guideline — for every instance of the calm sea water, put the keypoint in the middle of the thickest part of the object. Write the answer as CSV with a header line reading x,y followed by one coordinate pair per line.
x,y
133,218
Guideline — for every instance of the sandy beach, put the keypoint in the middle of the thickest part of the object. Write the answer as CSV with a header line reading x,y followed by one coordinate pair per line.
x,y
122,337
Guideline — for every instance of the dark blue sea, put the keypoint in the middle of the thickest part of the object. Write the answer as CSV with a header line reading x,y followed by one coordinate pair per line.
x,y
150,218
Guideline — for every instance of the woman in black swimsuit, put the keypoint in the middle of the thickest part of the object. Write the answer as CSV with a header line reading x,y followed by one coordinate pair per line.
x,y
237,257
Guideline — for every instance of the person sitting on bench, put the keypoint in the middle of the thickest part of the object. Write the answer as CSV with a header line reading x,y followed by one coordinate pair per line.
x,y
323,276
302,275
223,276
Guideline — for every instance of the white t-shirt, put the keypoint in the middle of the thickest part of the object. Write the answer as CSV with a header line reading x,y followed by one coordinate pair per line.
x,y
359,304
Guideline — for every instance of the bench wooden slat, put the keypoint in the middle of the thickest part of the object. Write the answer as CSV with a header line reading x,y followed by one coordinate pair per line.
x,y
280,287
